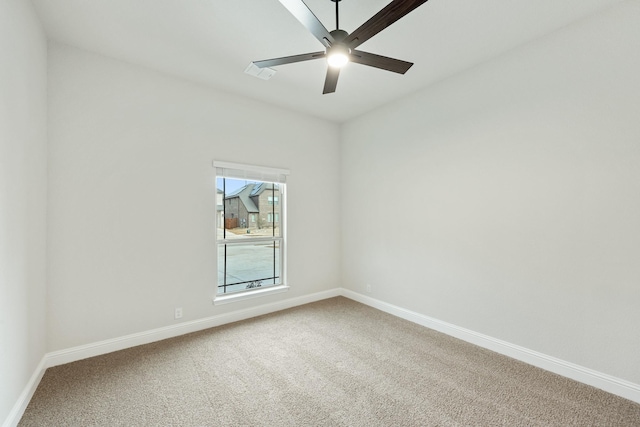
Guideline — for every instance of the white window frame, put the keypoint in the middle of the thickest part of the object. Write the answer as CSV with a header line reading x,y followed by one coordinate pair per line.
x,y
264,174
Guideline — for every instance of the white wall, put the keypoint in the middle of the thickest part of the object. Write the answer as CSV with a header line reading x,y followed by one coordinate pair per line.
x,y
506,199
23,51
514,188
132,195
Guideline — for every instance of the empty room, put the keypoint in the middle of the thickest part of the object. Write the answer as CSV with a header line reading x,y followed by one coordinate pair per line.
x,y
319,212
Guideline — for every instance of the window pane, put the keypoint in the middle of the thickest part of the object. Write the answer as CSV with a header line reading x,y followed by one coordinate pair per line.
x,y
254,265
248,208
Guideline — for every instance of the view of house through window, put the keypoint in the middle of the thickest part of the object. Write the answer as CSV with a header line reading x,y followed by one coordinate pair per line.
x,y
250,237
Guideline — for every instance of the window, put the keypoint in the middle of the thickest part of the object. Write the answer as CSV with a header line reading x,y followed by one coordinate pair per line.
x,y
251,252
271,216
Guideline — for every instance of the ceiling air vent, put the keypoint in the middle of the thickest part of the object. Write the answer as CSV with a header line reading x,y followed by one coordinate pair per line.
x,y
261,73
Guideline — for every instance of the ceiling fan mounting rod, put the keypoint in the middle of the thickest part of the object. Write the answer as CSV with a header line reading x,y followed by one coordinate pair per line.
x,y
337,14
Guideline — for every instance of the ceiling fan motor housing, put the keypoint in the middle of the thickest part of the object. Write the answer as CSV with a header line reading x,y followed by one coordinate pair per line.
x,y
339,35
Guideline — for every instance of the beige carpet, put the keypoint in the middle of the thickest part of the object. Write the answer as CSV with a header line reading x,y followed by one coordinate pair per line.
x,y
331,363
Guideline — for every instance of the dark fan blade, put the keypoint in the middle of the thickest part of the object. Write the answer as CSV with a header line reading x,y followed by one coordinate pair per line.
x,y
381,20
378,61
303,14
289,59
331,81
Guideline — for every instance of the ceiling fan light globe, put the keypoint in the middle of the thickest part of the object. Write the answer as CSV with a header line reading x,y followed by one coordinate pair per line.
x,y
337,59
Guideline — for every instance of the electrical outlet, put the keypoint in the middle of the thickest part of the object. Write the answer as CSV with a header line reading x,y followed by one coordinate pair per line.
x,y
178,313
368,288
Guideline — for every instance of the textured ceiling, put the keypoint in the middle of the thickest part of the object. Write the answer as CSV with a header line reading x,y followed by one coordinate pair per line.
x,y
212,42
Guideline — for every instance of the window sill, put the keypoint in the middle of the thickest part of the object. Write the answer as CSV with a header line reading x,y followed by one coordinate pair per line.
x,y
226,299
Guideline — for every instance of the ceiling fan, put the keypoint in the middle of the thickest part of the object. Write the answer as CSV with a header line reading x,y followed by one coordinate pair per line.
x,y
340,45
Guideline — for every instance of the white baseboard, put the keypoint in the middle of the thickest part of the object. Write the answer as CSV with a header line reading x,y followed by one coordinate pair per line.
x,y
25,397
602,381
107,346
605,382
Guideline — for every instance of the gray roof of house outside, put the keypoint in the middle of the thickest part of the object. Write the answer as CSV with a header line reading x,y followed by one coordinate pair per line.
x,y
244,194
260,187
250,190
